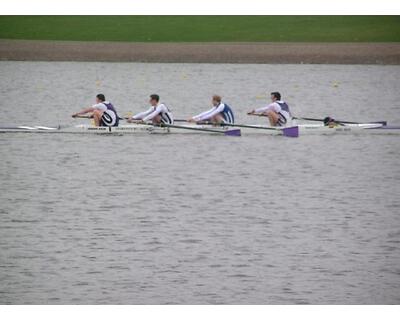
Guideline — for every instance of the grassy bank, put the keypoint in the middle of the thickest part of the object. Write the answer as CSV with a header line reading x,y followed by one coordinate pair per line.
x,y
203,28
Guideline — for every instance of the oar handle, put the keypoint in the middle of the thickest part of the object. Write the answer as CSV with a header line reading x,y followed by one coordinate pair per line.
x,y
83,116
257,114
90,116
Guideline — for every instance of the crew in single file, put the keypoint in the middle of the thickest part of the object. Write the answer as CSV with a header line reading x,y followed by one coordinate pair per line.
x,y
278,111
157,113
103,112
219,113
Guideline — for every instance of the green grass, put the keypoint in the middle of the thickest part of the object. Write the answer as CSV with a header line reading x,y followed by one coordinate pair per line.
x,y
203,28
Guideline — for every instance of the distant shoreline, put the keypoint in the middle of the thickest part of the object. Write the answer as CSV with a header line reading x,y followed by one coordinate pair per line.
x,y
208,52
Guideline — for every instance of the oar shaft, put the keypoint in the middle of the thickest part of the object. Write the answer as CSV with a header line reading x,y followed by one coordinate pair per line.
x,y
258,114
322,120
83,116
190,128
231,125
250,126
89,116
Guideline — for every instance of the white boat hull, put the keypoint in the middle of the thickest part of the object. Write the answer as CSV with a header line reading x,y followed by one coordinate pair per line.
x,y
304,129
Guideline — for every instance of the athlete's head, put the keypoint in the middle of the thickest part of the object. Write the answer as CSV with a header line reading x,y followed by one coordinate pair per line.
x,y
328,121
100,98
275,96
154,99
216,100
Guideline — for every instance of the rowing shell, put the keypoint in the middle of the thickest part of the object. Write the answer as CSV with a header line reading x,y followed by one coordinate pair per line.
x,y
320,129
124,129
303,129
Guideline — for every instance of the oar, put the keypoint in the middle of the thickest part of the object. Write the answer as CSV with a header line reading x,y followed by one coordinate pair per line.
x,y
83,116
384,123
231,132
287,131
89,116
292,132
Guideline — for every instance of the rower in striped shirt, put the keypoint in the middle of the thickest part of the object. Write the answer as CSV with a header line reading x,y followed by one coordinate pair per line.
x,y
219,113
158,113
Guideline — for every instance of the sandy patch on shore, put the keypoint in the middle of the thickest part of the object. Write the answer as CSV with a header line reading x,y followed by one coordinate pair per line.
x,y
320,53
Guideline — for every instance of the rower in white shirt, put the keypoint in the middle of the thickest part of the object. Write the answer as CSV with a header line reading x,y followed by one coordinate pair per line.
x,y
219,113
158,113
278,111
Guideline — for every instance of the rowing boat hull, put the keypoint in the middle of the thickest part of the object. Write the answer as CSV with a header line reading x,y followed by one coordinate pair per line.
x,y
315,129
86,129
304,129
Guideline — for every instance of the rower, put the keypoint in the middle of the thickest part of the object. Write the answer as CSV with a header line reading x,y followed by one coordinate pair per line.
x,y
218,114
104,113
278,111
158,113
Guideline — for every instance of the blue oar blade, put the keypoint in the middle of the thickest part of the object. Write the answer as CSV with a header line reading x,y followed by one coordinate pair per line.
x,y
233,132
292,132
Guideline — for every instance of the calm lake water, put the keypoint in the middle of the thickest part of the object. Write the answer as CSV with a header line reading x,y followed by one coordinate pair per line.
x,y
198,219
